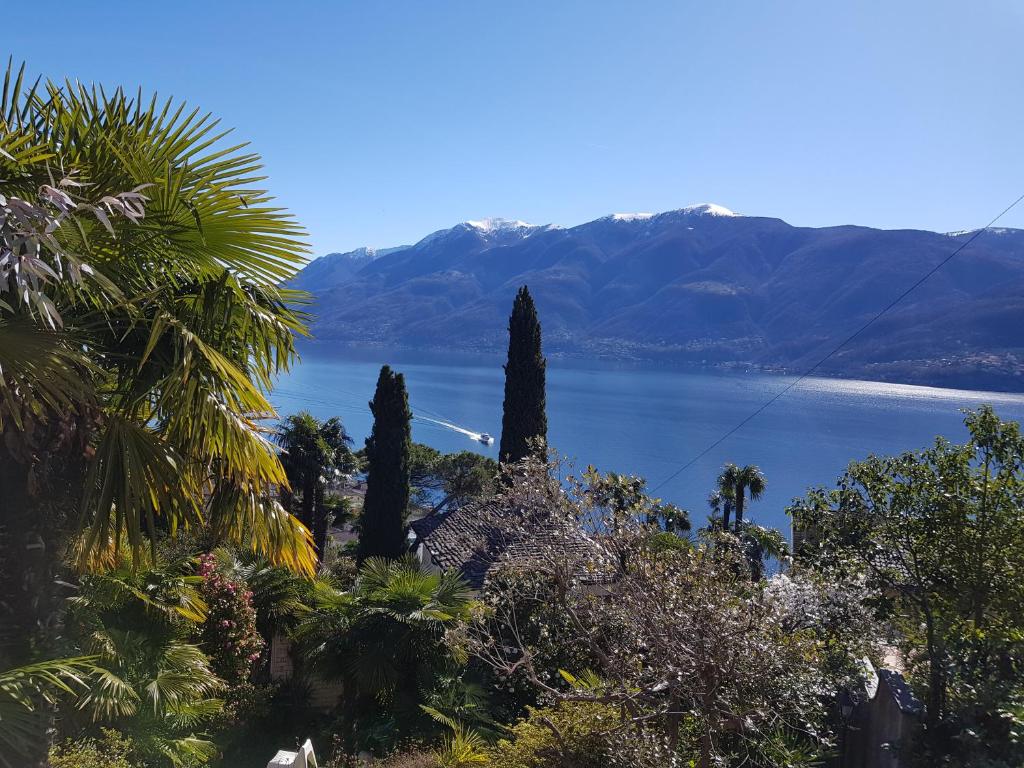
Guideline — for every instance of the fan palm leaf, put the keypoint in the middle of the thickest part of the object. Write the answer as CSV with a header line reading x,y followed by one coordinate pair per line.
x,y
24,689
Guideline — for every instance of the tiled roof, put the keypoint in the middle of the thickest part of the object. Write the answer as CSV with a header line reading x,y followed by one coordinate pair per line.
x,y
469,540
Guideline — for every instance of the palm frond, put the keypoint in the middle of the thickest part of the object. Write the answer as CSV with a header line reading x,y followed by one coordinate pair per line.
x,y
24,689
134,474
39,372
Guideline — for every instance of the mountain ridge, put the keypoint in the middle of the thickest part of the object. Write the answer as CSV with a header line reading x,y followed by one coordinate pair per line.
x,y
699,285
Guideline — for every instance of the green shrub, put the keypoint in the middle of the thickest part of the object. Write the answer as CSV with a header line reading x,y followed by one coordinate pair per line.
x,y
229,635
112,750
404,759
582,740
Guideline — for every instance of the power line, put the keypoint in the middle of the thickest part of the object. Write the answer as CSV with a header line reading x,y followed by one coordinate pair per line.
x,y
977,233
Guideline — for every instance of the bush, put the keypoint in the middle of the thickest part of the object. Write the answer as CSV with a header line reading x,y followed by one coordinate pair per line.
x,y
413,758
229,635
583,729
111,750
410,760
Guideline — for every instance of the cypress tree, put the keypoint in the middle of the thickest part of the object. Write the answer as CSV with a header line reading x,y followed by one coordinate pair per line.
x,y
524,417
387,481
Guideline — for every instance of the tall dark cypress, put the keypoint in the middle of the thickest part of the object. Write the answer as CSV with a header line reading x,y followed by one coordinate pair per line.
x,y
524,416
387,481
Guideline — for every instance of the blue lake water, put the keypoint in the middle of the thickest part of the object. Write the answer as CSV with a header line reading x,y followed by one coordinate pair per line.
x,y
649,422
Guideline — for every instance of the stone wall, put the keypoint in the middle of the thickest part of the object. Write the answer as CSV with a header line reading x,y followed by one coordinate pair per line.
x,y
324,694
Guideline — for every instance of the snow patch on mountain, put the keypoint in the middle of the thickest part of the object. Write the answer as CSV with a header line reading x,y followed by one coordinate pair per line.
x,y
701,209
707,209
367,252
500,225
989,230
631,216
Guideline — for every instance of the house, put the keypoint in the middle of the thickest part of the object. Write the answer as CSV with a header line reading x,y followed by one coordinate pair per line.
x,y
474,541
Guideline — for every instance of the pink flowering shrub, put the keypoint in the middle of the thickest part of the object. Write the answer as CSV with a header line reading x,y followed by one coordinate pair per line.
x,y
228,636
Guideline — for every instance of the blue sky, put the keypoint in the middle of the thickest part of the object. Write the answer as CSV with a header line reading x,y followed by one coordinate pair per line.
x,y
382,121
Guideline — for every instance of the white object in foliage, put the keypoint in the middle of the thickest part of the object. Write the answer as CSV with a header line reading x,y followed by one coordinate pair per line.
x,y
304,758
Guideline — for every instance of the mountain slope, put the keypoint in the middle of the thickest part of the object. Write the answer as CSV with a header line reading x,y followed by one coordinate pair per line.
x,y
699,284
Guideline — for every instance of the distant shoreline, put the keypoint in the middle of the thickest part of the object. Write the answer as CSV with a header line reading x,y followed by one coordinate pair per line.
x,y
944,376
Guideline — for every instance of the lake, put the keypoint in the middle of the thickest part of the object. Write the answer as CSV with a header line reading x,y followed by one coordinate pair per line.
x,y
649,422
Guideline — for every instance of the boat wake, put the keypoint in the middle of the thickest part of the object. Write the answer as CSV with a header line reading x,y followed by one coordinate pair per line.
x,y
480,437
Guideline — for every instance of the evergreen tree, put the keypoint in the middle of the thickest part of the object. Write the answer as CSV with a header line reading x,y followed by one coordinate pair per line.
x,y
524,416
387,482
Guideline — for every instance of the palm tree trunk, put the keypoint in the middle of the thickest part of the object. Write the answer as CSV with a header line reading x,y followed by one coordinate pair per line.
x,y
31,548
308,501
740,498
319,522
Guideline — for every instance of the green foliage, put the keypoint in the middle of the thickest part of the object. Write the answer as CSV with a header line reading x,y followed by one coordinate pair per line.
x,y
424,475
781,746
461,749
524,417
382,524
570,734
311,452
387,639
527,607
458,477
151,682
938,536
414,758
111,750
27,692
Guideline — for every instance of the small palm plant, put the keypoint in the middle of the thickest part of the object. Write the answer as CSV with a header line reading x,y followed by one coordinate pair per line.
x,y
26,695
150,681
462,748
385,638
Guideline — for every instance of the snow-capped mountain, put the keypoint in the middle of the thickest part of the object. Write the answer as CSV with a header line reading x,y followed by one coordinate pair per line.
x,y
700,284
491,232
336,268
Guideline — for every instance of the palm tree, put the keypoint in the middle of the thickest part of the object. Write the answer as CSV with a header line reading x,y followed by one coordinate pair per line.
x,y
749,480
312,449
151,682
733,486
385,637
141,324
722,499
758,543
161,691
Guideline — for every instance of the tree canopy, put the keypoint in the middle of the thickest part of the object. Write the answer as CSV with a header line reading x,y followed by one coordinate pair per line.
x,y
938,535
524,418
312,451
386,506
